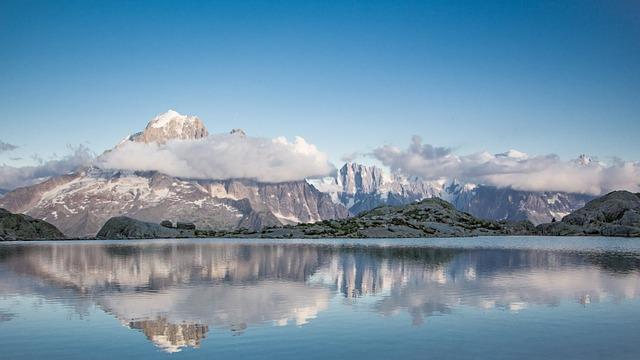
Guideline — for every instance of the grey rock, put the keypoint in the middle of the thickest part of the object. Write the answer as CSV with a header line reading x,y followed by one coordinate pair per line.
x,y
23,227
630,218
360,179
166,223
185,226
614,214
122,227
490,202
610,208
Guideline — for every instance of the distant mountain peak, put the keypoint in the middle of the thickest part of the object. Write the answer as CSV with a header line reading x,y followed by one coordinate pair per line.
x,y
583,160
357,178
171,125
238,132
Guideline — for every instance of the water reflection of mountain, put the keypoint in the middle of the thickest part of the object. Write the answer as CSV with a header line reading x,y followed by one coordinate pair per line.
x,y
171,337
176,292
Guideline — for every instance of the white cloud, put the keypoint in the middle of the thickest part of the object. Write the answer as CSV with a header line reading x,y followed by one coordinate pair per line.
x,y
512,169
223,157
351,157
12,177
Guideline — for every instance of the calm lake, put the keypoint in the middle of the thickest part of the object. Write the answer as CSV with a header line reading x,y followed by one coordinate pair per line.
x,y
489,298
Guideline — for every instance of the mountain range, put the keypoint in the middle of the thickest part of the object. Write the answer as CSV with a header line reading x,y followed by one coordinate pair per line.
x,y
360,188
79,203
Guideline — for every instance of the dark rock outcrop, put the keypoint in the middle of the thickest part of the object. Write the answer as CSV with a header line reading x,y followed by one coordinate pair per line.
x,y
185,226
23,227
614,214
166,223
122,227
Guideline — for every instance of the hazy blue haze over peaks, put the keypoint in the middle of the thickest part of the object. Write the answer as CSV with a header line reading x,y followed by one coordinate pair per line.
x,y
541,77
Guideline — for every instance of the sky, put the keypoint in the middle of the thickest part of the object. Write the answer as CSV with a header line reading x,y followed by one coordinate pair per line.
x,y
543,77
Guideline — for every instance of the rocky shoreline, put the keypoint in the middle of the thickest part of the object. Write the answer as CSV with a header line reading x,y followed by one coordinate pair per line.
x,y
615,214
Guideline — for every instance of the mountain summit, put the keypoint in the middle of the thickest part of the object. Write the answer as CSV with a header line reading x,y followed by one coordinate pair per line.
x,y
171,125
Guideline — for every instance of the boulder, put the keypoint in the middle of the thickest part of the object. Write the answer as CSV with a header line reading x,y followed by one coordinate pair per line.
x,y
185,225
167,224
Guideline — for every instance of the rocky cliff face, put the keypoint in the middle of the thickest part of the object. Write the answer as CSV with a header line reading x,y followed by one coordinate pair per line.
x,y
489,202
289,202
360,179
22,227
361,188
615,214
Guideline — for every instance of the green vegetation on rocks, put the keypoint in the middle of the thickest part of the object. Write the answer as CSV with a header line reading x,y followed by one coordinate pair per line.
x,y
23,227
122,227
427,218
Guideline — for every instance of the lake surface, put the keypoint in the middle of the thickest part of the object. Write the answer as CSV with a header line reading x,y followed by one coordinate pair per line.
x,y
489,298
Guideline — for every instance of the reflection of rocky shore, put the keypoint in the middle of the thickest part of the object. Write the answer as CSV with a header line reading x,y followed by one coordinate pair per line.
x,y
175,293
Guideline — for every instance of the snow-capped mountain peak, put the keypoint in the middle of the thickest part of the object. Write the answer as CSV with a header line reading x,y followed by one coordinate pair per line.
x,y
171,125
165,118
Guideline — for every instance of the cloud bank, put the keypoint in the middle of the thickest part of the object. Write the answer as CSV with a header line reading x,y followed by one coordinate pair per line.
x,y
6,147
512,169
223,157
12,177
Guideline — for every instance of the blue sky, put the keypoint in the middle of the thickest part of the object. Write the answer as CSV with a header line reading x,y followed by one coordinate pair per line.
x,y
542,77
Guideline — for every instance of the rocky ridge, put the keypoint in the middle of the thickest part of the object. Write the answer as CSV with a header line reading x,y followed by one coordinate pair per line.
x,y
23,227
122,227
614,214
427,218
